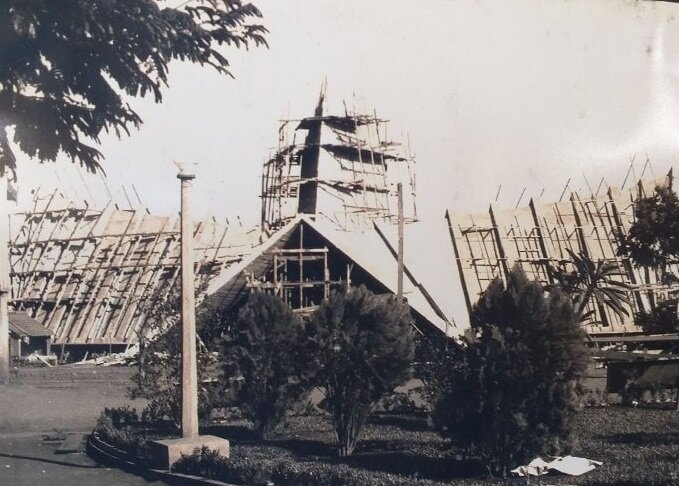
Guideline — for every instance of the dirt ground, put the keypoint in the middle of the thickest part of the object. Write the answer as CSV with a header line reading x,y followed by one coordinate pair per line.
x,y
29,412
26,408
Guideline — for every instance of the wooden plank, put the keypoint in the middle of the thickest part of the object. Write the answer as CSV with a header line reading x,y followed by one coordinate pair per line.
x,y
61,323
130,290
78,327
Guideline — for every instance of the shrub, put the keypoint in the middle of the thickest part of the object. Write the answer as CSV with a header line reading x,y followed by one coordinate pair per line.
x,y
436,356
263,362
662,319
117,428
402,402
208,464
267,466
121,416
653,239
158,374
362,347
515,391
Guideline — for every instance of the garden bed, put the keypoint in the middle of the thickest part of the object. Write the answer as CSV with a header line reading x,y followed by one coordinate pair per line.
x,y
636,447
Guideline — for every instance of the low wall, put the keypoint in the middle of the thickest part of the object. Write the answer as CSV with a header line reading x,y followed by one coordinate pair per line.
x,y
68,374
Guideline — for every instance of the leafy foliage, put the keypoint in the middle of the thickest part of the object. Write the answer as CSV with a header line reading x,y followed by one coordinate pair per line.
x,y
119,427
514,393
662,319
597,281
653,239
263,361
158,376
362,346
436,356
64,65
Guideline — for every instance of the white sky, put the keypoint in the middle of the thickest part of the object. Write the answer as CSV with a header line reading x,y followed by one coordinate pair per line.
x,y
521,93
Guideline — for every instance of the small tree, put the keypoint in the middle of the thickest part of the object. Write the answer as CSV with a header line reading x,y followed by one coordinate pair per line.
x,y
158,376
363,348
653,239
263,361
592,281
513,395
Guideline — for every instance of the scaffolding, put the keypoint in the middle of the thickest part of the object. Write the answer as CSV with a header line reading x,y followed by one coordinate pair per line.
x,y
303,273
539,236
91,275
343,167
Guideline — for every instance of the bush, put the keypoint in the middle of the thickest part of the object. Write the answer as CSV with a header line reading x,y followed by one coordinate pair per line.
x,y
436,357
264,467
207,463
514,394
117,427
263,363
362,347
158,374
662,319
652,240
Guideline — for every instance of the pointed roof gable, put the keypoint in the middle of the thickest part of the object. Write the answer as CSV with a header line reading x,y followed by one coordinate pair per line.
x,y
365,248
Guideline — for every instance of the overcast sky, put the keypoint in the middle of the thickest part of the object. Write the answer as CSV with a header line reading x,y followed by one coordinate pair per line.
x,y
513,93
520,93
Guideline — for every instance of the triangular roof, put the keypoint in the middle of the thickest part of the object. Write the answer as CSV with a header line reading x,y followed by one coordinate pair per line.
x,y
367,248
226,288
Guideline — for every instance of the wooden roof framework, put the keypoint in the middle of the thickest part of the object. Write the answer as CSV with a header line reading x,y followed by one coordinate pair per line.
x,y
91,275
486,246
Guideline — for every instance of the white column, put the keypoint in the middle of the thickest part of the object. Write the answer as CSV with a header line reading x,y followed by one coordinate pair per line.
x,y
189,391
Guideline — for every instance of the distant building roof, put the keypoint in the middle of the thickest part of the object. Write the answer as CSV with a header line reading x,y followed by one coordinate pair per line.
x,y
24,325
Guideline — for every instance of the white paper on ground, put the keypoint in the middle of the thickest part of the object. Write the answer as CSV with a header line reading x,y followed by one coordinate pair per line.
x,y
571,465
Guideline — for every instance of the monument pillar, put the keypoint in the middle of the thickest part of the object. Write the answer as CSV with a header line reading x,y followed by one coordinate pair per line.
x,y
189,390
164,453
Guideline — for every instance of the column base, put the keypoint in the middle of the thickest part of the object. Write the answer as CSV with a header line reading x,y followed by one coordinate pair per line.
x,y
164,453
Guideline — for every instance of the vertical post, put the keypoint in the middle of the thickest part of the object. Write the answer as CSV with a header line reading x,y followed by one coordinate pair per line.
x,y
189,390
4,283
399,188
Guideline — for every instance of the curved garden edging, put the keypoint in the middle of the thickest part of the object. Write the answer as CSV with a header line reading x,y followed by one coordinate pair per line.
x,y
105,453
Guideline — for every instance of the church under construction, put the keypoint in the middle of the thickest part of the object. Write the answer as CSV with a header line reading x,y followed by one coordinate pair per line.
x,y
92,275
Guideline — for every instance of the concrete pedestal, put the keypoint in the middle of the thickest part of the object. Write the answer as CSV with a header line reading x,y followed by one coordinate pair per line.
x,y
164,453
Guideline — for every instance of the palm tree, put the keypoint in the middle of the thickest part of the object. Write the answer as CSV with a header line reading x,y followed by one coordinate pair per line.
x,y
598,281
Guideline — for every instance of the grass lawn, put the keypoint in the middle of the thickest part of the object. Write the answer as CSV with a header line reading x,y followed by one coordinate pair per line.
x,y
637,446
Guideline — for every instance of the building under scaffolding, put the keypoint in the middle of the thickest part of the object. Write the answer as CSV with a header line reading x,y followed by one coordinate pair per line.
x,y
344,168
331,193
90,276
487,245
308,258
